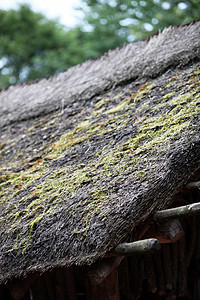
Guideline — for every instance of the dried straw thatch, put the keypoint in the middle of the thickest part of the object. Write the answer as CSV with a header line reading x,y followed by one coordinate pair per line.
x,y
88,154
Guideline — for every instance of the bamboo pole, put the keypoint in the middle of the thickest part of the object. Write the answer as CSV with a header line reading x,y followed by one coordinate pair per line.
x,y
186,210
143,246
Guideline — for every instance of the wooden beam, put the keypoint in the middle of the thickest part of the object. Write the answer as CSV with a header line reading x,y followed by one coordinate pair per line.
x,y
143,246
186,210
193,185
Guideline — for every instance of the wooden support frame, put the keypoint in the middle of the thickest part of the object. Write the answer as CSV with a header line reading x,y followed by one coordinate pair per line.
x,y
143,246
186,210
193,185
168,234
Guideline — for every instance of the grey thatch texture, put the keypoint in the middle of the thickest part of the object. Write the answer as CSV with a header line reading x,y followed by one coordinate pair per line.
x,y
87,154
174,46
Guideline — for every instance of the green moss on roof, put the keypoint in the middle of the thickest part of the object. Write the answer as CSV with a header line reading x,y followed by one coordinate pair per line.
x,y
124,134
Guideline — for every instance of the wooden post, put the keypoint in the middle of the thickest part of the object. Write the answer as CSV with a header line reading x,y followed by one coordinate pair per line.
x,y
2,293
18,288
150,274
70,283
197,262
198,289
159,273
167,267
174,255
39,289
136,271
124,279
182,268
108,289
61,291
171,297
192,240
50,282
101,270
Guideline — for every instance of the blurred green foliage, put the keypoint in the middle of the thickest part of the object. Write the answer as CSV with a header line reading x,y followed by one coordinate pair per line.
x,y
31,46
119,21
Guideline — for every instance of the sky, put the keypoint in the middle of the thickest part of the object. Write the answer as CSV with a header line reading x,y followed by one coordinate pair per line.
x,y
62,9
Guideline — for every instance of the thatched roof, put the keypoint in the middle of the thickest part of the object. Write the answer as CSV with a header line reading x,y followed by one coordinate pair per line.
x,y
88,154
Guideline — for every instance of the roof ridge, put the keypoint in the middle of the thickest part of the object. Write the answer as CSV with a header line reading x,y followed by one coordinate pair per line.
x,y
172,47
